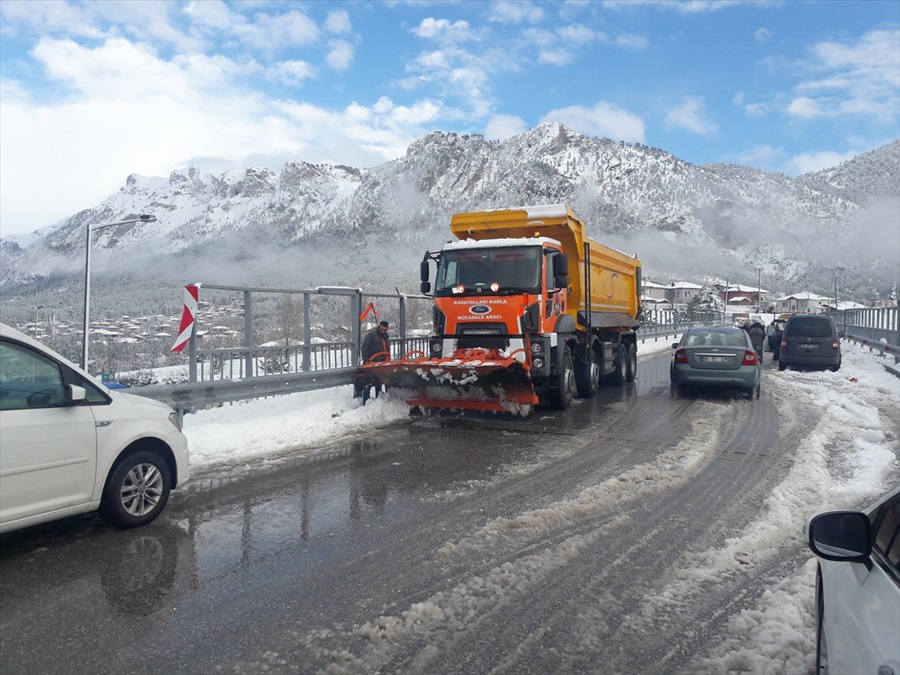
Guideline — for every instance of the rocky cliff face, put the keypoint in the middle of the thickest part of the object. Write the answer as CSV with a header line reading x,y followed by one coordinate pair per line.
x,y
683,220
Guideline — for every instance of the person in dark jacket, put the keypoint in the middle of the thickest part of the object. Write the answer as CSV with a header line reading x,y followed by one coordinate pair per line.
x,y
776,349
757,335
375,347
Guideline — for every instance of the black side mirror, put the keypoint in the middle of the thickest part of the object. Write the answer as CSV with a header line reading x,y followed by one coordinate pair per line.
x,y
561,281
561,267
423,272
425,287
840,535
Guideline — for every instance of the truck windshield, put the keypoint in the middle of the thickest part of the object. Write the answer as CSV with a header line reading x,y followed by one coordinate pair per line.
x,y
504,270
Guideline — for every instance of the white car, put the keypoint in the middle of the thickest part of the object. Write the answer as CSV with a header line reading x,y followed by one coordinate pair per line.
x,y
69,445
858,588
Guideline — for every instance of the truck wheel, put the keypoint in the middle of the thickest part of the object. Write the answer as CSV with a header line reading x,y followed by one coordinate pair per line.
x,y
631,363
563,389
587,376
619,375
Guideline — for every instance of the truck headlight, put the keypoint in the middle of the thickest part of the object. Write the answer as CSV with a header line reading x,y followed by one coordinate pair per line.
x,y
537,363
436,348
536,347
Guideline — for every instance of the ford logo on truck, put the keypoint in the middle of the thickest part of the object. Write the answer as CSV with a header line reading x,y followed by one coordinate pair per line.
x,y
479,309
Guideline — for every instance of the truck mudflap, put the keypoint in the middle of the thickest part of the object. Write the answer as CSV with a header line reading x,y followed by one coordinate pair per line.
x,y
472,380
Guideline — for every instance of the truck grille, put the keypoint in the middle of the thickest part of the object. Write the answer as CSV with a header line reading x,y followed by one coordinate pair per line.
x,y
482,336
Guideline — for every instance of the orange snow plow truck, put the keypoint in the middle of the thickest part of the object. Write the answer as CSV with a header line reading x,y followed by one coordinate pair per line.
x,y
527,310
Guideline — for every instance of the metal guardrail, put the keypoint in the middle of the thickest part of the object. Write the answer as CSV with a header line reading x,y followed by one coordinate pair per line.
x,y
875,324
876,345
189,396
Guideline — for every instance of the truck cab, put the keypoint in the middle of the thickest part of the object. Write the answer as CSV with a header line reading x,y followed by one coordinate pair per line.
x,y
499,294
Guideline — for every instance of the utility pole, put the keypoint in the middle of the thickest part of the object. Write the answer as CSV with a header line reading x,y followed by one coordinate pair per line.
x,y
759,291
835,292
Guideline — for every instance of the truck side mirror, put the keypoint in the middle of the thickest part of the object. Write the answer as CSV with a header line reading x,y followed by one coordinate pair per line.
x,y
561,266
561,270
425,287
423,271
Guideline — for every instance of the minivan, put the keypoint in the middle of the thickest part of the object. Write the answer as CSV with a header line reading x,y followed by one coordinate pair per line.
x,y
69,445
810,341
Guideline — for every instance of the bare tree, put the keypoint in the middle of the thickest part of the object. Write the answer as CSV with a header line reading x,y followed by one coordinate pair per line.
x,y
288,319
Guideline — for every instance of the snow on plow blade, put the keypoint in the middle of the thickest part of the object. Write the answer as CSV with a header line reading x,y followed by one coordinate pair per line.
x,y
474,380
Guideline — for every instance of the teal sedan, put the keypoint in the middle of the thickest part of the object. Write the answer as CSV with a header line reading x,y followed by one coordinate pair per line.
x,y
715,357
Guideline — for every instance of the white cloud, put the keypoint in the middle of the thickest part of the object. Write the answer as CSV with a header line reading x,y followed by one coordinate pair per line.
x,y
211,14
501,127
458,74
291,73
632,42
515,11
603,119
127,111
576,34
340,55
691,115
757,109
556,57
269,32
687,6
556,46
858,78
760,156
338,21
442,29
816,161
762,35
804,107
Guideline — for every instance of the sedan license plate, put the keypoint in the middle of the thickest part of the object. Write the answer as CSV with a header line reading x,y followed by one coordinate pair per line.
x,y
715,359
807,346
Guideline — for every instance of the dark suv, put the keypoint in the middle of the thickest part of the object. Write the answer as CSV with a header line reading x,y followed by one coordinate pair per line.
x,y
810,341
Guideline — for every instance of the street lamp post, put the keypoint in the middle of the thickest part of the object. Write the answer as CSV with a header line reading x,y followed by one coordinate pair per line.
x,y
87,275
34,327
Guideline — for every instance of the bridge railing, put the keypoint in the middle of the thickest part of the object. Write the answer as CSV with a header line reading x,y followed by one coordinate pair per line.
x,y
876,324
280,370
225,374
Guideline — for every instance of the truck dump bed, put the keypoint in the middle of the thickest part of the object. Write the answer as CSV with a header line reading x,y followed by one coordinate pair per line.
x,y
613,285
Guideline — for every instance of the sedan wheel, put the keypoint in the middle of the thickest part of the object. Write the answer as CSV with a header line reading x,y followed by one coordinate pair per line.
x,y
137,490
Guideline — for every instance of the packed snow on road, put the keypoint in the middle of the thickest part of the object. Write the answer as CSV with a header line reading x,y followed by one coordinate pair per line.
x,y
777,634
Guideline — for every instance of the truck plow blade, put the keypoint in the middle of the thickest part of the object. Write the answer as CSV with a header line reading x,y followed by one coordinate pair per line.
x,y
476,380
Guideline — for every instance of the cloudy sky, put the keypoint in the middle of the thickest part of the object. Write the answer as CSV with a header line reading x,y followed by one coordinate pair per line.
x,y
92,91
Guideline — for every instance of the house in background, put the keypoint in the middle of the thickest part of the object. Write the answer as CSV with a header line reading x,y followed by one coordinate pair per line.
x,y
653,296
802,303
680,293
737,294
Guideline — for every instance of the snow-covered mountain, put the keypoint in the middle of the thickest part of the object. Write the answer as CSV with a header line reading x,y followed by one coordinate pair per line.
x,y
336,224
